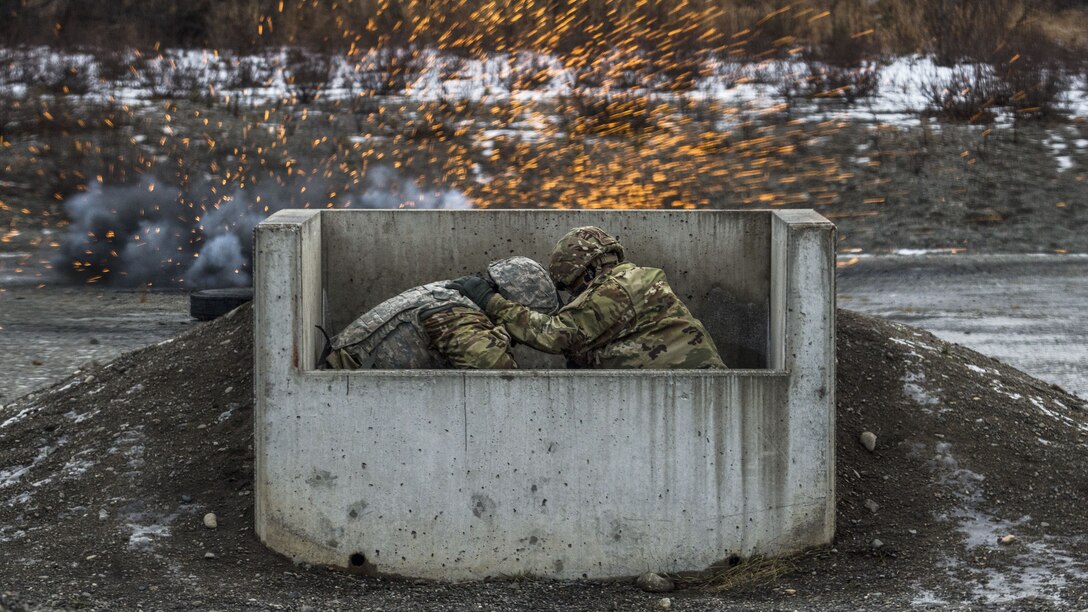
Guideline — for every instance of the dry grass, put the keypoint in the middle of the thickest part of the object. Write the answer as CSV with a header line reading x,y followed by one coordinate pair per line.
x,y
1068,28
739,574
579,28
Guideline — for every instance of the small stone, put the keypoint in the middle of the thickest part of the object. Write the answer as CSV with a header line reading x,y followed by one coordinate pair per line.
x,y
228,389
654,583
37,362
791,591
185,499
912,531
210,521
1006,540
209,555
91,557
868,440
664,603
94,341
88,380
872,506
876,544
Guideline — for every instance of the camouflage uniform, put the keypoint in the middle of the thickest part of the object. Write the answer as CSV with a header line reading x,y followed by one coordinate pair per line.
x,y
432,326
469,340
625,317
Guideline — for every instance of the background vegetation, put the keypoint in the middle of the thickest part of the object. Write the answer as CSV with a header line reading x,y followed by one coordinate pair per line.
x,y
950,29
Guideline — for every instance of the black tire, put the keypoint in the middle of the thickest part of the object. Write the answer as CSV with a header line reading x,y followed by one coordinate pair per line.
x,y
208,304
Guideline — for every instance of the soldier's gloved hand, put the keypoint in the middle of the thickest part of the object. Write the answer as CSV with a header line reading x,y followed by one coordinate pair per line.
x,y
474,288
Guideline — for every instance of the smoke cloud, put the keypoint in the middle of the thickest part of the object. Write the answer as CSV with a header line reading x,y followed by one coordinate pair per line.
x,y
386,189
151,233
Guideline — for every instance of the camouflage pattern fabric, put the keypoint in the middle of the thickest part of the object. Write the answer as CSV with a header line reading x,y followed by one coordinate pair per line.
x,y
433,326
391,335
576,250
524,281
468,339
628,317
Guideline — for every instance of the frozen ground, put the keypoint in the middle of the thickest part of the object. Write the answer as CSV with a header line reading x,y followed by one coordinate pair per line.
x,y
752,87
975,501
47,333
1027,311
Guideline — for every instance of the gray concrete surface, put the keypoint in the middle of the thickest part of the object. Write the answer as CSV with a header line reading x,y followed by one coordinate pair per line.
x,y
563,473
1028,311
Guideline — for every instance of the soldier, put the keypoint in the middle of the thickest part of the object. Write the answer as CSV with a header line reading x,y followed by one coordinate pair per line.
x,y
621,315
433,326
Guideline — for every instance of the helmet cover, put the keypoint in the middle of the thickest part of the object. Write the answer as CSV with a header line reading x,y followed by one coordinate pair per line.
x,y
524,281
575,251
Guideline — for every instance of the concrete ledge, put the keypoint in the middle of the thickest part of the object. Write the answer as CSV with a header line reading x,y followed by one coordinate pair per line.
x,y
564,473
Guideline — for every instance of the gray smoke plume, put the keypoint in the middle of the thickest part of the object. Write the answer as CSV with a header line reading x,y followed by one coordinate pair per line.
x,y
386,189
157,234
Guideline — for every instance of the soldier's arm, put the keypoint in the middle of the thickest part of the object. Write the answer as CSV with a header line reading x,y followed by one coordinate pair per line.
x,y
469,340
574,327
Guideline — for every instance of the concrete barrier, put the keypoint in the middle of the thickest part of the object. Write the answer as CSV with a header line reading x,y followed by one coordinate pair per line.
x,y
456,475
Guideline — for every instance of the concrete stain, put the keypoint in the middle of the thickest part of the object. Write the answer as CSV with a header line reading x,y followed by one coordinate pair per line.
x,y
321,479
356,509
481,505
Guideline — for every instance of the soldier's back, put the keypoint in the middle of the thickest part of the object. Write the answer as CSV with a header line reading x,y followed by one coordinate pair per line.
x,y
661,332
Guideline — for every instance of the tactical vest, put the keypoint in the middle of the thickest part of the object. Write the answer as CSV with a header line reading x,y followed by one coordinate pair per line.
x,y
391,335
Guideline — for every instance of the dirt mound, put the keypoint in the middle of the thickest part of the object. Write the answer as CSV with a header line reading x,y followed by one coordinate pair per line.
x,y
105,479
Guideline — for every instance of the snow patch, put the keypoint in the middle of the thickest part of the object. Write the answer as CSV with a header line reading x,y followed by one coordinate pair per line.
x,y
1039,570
914,387
142,537
10,476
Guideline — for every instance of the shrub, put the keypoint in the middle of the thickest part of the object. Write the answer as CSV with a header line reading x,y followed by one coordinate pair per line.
x,y
1037,72
529,71
964,30
613,114
389,71
831,81
969,94
61,76
306,74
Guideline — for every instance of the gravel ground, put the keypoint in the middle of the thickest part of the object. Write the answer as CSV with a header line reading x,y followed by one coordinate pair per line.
x,y
106,476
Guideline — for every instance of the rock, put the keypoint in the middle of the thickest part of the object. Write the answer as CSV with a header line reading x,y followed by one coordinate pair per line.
x,y
1006,540
654,583
88,380
209,555
185,499
868,440
664,603
791,591
872,506
876,544
94,340
210,521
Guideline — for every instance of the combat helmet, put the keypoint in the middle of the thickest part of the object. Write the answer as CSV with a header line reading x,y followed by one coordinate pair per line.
x,y
524,281
575,251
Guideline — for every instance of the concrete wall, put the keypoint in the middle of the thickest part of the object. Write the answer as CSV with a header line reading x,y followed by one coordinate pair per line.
x,y
455,475
718,262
